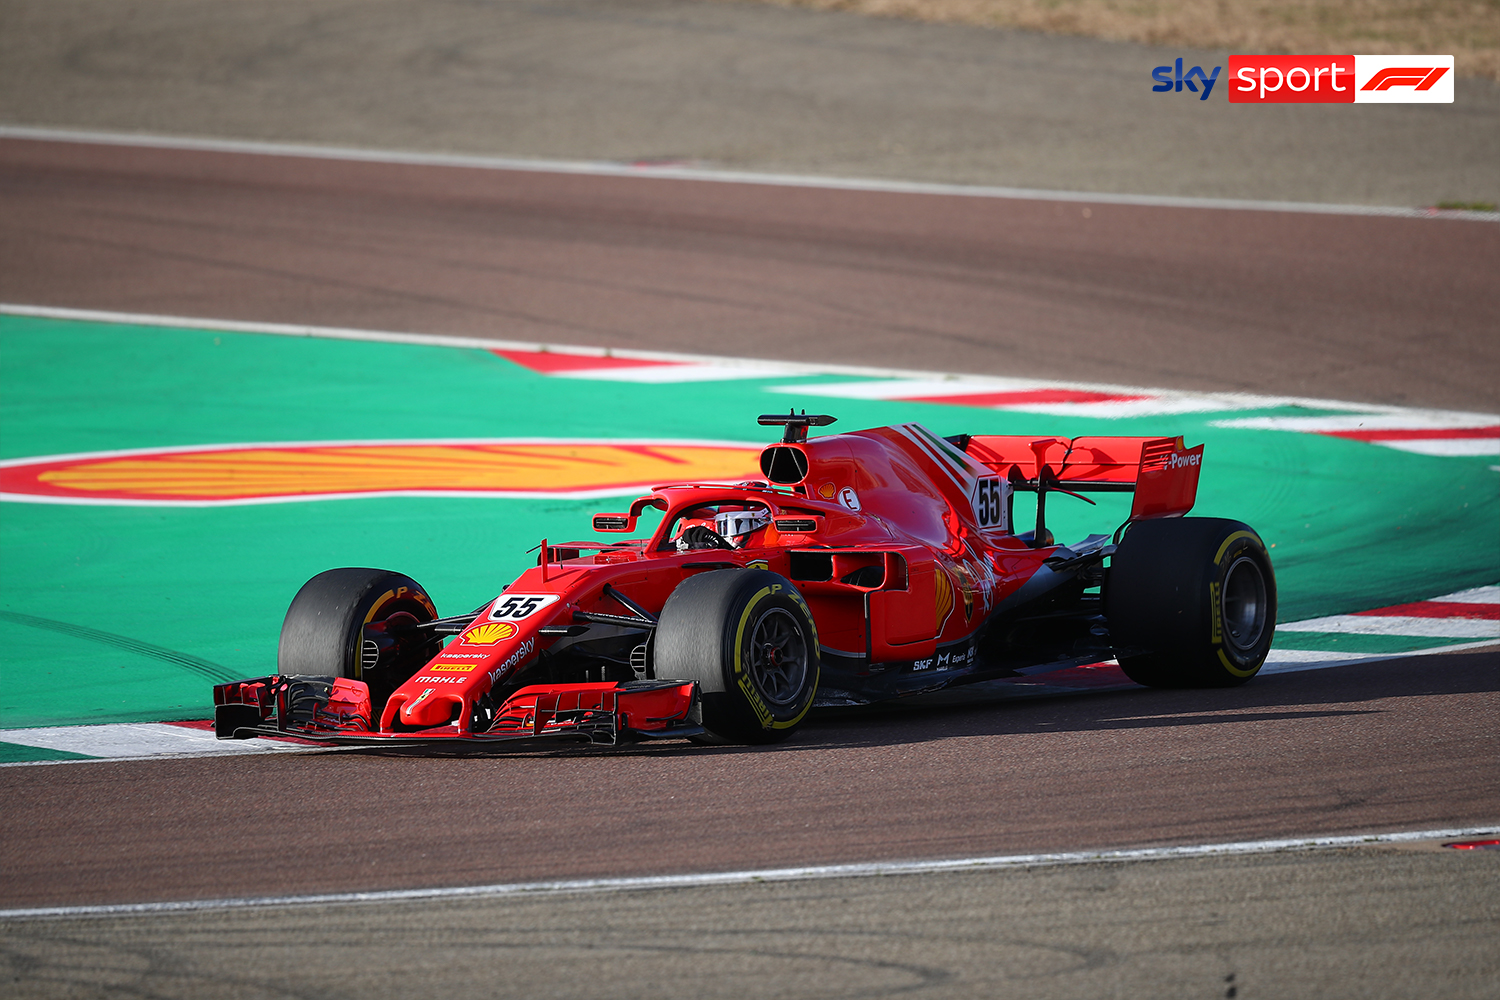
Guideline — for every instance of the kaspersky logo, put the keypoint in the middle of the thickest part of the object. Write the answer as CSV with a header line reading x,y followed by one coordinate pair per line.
x,y
1319,79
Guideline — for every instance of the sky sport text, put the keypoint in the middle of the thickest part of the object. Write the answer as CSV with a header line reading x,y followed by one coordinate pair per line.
x,y
1319,79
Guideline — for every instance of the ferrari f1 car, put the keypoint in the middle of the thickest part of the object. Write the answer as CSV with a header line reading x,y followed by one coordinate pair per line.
x,y
865,566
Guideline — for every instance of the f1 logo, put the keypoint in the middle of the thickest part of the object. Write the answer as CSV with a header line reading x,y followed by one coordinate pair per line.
x,y
1420,77
1403,79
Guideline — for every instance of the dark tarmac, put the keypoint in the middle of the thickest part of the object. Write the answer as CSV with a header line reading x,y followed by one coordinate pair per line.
x,y
733,85
1373,309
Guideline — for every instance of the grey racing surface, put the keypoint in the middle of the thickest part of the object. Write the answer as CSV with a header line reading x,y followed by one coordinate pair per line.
x,y
1369,922
1372,309
1398,745
1388,310
1291,754
747,86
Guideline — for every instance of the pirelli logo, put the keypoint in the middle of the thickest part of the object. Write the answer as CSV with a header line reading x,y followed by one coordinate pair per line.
x,y
456,668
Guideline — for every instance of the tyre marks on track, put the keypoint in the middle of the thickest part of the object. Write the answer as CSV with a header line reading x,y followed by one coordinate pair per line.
x,y
214,672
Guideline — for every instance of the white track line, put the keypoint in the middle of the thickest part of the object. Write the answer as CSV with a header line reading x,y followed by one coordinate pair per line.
x,y
1373,422
605,168
140,740
706,879
1399,625
753,368
1476,595
1292,661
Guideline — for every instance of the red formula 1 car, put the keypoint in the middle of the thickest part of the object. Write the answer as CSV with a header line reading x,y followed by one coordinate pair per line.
x,y
866,566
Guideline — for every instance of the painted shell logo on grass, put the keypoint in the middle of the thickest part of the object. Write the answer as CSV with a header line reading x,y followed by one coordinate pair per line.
x,y
489,634
271,473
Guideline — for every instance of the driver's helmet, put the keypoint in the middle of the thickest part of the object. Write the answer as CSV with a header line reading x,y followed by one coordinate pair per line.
x,y
734,526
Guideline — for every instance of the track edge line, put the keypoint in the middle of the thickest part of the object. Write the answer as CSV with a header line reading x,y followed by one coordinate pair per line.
x,y
800,874
609,168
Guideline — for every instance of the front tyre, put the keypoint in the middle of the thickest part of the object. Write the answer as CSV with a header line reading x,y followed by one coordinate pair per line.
x,y
1194,598
358,623
748,639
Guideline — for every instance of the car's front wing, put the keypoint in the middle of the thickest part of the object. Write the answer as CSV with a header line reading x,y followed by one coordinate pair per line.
x,y
337,710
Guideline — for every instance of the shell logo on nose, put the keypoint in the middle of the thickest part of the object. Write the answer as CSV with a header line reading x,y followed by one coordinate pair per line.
x,y
489,633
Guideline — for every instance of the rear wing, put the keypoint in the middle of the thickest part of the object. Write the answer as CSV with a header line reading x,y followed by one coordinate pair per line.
x,y
1161,472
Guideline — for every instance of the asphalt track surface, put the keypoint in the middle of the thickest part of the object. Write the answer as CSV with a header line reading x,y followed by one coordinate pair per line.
x,y
740,269
1404,744
748,86
1305,753
1380,310
1389,310
1388,922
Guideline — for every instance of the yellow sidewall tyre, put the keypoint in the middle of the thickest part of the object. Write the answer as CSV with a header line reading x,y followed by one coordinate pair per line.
x,y
747,637
1191,602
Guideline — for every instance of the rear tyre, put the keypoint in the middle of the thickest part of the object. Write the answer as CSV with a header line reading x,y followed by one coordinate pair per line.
x,y
1191,602
748,639
358,623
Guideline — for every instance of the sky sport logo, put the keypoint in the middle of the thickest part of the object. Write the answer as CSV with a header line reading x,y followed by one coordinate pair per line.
x,y
1320,79
1165,82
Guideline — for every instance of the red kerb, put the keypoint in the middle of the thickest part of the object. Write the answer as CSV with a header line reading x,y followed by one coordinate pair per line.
x,y
1024,398
1437,609
552,362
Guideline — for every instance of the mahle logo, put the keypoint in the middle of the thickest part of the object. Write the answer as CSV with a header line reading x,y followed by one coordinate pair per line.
x,y
1165,81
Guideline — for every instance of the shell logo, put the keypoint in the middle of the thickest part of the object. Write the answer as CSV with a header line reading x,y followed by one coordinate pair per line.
x,y
263,473
944,593
489,633
966,586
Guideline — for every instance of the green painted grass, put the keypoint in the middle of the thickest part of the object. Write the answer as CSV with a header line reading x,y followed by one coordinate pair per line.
x,y
15,753
1345,643
1352,526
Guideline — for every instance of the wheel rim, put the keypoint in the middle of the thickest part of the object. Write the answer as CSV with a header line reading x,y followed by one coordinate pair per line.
x,y
1244,603
777,657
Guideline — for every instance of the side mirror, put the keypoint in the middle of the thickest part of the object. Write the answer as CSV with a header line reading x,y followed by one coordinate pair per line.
x,y
614,522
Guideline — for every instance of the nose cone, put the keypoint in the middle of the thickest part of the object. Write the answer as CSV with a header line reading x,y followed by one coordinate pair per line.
x,y
427,709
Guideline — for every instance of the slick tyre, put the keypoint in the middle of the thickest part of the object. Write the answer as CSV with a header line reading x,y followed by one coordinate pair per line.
x,y
748,639
1191,602
349,623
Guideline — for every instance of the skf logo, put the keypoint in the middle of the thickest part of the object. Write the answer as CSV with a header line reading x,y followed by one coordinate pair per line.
x,y
1165,81
489,633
